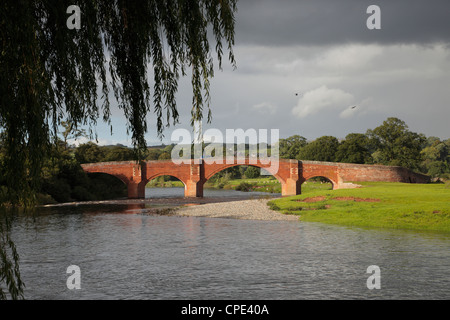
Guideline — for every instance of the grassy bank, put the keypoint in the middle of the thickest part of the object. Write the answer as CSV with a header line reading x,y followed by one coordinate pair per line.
x,y
387,205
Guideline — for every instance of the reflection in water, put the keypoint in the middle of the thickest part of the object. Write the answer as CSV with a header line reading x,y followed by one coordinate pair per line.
x,y
126,253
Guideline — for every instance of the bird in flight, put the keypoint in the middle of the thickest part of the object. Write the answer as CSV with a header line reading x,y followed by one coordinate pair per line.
x,y
353,107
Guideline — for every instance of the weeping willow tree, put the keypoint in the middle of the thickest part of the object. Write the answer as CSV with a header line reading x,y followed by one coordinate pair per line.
x,y
131,51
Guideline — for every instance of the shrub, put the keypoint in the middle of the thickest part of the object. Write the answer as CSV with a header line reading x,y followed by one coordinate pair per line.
x,y
244,186
273,206
44,199
252,172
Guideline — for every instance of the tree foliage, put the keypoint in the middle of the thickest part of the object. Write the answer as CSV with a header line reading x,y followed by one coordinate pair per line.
x,y
354,149
70,132
436,157
63,179
9,260
252,172
51,73
89,153
321,149
391,143
396,144
290,147
153,154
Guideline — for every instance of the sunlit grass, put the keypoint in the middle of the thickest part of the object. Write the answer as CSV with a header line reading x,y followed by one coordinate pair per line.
x,y
388,205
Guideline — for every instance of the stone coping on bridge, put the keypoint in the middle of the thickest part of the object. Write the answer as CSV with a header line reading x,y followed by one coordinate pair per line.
x,y
194,161
360,165
257,158
110,163
198,161
347,164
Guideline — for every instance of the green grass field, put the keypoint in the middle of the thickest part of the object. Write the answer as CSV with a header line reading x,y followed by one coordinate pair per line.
x,y
375,204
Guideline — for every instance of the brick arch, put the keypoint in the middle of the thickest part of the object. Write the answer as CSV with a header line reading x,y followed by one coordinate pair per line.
x,y
327,170
126,171
120,177
333,182
156,175
219,168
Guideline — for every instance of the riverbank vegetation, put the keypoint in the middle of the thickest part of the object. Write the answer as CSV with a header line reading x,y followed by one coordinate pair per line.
x,y
375,204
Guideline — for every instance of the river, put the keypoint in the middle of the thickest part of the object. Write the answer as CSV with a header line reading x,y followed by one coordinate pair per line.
x,y
123,252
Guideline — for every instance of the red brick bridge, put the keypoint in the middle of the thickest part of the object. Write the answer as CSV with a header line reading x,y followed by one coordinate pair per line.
x,y
290,173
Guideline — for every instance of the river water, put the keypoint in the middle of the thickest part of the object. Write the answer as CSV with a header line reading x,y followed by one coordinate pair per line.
x,y
123,252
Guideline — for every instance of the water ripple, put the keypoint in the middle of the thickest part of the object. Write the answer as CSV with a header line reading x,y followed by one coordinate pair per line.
x,y
134,256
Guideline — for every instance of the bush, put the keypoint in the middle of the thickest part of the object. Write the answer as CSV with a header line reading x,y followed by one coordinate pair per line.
x,y
252,172
446,176
244,186
273,206
222,181
44,199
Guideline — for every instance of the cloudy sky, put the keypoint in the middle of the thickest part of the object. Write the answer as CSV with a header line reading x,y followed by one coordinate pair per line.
x,y
323,51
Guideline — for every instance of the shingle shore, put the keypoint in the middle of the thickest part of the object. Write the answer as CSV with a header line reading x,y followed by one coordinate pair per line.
x,y
256,209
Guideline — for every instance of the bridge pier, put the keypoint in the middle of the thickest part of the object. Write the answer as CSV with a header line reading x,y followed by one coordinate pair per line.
x,y
291,188
194,185
293,184
193,189
136,190
136,183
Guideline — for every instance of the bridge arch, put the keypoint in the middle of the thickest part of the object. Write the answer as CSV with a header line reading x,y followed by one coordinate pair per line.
x,y
109,185
164,174
116,176
220,168
171,174
332,181
328,170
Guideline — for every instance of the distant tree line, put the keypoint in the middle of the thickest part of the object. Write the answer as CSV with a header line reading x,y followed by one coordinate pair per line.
x,y
391,143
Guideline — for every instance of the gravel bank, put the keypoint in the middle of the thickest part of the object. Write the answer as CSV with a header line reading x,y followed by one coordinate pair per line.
x,y
245,209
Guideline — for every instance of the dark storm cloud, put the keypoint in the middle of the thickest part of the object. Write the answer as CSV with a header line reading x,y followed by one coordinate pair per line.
x,y
327,22
323,50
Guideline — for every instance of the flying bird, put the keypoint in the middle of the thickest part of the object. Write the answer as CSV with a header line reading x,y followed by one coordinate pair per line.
x,y
353,107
